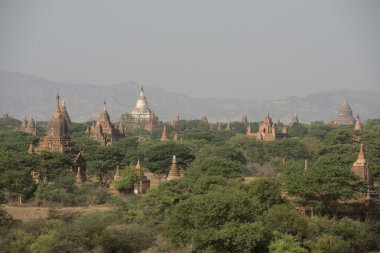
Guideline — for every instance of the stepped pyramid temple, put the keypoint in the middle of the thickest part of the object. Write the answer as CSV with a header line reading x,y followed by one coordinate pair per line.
x,y
64,113
103,130
345,115
173,172
57,139
267,131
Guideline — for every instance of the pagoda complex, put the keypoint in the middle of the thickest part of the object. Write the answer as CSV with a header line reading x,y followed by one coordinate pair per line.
x,y
267,131
103,130
57,138
345,115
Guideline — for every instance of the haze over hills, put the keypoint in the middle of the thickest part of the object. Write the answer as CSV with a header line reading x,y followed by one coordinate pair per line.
x,y
26,94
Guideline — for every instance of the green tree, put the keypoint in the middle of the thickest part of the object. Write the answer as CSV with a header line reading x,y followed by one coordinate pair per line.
x,y
127,180
286,244
158,158
331,244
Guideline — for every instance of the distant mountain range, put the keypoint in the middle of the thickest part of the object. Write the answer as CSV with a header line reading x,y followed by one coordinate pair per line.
x,y
26,94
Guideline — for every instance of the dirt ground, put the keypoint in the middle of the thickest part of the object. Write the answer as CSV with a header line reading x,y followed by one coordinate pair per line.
x,y
26,213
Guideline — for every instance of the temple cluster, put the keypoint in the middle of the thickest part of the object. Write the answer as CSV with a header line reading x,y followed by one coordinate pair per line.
x,y
105,132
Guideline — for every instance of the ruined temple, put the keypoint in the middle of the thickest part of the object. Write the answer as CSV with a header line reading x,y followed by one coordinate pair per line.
x,y
57,138
345,115
79,167
143,182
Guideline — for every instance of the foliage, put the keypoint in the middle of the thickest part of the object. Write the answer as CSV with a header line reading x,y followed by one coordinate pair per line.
x,y
127,180
322,186
286,244
158,157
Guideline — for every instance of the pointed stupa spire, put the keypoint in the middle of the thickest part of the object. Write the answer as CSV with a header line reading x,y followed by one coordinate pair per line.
x,y
31,148
244,119
164,136
249,130
138,168
57,111
173,172
345,114
24,123
175,137
361,153
358,126
229,126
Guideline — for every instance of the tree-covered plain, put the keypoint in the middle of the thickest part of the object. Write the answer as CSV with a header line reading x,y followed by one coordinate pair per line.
x,y
210,209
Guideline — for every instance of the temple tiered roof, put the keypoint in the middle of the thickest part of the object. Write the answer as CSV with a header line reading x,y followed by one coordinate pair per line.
x,y
345,115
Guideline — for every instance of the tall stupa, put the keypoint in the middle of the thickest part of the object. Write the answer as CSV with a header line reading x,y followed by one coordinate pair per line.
x,y
142,112
345,115
57,139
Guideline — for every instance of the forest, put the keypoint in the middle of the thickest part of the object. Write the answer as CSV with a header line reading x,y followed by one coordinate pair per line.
x,y
236,194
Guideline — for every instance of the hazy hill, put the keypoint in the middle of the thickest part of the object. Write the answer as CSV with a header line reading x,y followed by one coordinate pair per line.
x,y
26,94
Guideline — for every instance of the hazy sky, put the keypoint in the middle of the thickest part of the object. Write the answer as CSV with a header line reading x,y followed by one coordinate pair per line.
x,y
239,49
